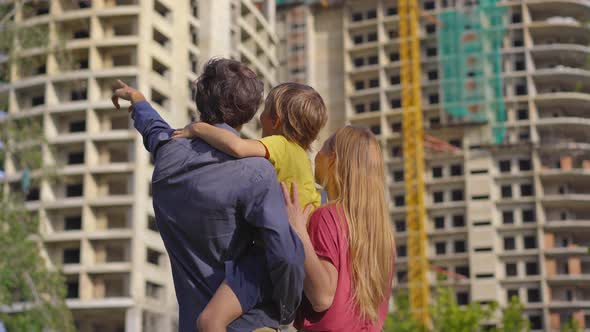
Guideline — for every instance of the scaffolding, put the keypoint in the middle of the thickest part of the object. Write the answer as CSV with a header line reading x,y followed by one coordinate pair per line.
x,y
470,42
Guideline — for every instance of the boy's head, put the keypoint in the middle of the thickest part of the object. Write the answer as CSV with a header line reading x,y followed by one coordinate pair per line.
x,y
228,92
295,111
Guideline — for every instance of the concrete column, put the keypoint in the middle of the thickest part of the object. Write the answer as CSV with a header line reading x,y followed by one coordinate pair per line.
x,y
271,12
133,320
215,32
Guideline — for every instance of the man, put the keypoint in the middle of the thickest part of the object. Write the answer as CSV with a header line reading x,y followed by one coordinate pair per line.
x,y
212,209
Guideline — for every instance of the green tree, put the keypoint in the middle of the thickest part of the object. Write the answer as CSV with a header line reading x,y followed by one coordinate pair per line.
x,y
32,293
401,319
571,326
448,315
512,318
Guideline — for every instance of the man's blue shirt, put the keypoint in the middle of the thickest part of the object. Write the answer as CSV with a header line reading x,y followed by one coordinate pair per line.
x,y
210,210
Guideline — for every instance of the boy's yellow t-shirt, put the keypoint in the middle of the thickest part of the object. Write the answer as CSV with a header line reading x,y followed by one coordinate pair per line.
x,y
292,165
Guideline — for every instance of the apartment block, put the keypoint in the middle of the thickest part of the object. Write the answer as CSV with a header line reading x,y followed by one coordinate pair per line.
x,y
97,219
508,218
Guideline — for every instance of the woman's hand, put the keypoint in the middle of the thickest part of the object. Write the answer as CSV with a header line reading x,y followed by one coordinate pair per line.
x,y
297,218
125,92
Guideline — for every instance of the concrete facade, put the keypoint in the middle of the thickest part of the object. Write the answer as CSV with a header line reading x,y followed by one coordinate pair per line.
x,y
504,220
97,218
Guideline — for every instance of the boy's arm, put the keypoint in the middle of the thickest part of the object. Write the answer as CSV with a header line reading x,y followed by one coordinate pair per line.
x,y
154,130
223,140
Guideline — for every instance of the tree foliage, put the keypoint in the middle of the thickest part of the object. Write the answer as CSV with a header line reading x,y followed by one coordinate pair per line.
x,y
448,316
401,319
512,318
32,293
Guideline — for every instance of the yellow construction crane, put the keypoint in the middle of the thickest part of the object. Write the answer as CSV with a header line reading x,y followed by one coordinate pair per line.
x,y
413,152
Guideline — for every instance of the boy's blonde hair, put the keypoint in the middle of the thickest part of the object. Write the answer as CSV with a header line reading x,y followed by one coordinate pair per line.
x,y
300,110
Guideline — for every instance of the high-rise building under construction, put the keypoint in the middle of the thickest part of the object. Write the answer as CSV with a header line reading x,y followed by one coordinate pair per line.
x,y
97,219
507,165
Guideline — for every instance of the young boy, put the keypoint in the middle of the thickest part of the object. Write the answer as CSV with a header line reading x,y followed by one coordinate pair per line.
x,y
292,118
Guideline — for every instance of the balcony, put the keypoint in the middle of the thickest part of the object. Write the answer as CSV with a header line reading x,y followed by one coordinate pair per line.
x,y
111,185
106,252
545,10
75,31
552,57
119,3
78,60
112,156
66,254
63,225
111,189
111,28
567,244
72,92
559,32
556,106
110,286
110,222
32,66
68,192
67,5
113,120
36,9
117,57
568,271
67,127
30,98
568,225
569,297
557,187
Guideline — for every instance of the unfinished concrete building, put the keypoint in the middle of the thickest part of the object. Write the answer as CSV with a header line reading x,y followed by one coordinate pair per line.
x,y
97,218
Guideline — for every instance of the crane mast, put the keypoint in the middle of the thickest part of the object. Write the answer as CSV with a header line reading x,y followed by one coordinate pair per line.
x,y
413,153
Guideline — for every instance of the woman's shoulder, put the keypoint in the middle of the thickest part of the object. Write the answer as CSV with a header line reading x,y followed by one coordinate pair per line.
x,y
330,209
328,215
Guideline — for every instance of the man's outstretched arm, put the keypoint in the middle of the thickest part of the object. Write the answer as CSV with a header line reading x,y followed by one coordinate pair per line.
x,y
154,130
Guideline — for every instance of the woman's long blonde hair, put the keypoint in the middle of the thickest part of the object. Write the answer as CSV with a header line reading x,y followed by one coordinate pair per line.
x,y
358,178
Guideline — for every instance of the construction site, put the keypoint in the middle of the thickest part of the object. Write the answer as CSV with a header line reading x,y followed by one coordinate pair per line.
x,y
478,106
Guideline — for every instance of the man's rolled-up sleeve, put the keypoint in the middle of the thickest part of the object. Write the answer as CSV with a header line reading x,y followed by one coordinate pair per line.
x,y
154,130
265,209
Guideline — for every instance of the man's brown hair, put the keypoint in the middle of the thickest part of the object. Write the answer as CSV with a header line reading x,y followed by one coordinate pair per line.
x,y
228,92
300,110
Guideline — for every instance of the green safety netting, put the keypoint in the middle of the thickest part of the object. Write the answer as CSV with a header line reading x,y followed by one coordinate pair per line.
x,y
469,43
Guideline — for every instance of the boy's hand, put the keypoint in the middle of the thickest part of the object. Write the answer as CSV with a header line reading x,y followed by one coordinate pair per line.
x,y
186,132
124,91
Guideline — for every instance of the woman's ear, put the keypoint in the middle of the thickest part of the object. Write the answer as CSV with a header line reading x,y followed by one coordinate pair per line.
x,y
332,160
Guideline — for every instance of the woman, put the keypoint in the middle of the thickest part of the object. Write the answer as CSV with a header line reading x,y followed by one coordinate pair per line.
x,y
349,245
